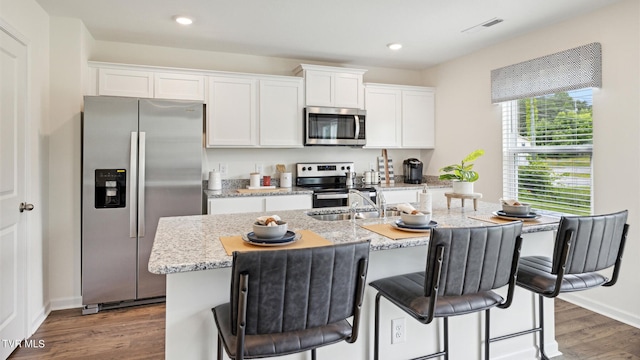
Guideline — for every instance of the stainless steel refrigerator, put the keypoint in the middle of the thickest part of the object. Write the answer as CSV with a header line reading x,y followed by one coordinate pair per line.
x,y
141,160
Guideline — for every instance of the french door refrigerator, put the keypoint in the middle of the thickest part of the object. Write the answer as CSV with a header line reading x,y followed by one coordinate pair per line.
x,y
141,160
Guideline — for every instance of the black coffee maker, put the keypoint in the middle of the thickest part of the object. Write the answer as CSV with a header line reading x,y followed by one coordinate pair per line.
x,y
412,169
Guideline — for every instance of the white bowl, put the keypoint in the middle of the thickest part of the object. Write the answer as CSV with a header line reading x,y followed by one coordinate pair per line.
x,y
418,219
270,232
522,209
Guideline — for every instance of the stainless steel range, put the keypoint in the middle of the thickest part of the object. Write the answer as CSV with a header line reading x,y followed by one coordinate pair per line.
x,y
328,180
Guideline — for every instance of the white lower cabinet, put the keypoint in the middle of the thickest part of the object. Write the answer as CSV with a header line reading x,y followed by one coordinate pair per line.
x,y
235,205
401,196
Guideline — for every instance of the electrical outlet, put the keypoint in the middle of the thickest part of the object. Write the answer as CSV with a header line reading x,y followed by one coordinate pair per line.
x,y
259,168
224,169
398,331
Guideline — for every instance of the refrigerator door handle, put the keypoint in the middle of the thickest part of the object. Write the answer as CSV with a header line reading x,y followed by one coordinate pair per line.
x,y
141,183
133,163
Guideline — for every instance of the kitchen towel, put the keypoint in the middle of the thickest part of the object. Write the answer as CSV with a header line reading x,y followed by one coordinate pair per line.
x,y
393,233
543,220
309,239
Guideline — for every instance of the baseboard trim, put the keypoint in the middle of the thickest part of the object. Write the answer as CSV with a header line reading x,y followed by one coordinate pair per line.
x,y
65,303
39,319
603,309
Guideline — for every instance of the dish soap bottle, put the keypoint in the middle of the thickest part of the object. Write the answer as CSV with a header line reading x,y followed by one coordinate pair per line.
x,y
425,200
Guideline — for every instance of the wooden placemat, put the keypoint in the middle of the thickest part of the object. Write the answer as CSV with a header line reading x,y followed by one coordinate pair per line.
x,y
543,220
393,233
308,239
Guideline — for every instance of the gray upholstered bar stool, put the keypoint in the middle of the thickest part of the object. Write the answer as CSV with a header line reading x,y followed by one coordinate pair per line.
x,y
583,246
290,301
464,265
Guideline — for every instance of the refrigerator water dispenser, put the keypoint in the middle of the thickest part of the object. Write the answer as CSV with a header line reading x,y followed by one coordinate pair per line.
x,y
110,188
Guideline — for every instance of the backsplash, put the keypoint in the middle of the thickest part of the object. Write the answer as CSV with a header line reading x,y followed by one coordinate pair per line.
x,y
431,180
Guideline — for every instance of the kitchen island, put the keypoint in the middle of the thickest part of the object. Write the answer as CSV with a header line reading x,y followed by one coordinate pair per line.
x,y
189,251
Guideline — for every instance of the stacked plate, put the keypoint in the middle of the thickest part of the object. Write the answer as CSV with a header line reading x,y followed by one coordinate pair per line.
x,y
509,216
286,239
400,225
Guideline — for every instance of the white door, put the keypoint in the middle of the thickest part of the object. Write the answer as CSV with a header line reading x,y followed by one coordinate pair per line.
x,y
13,80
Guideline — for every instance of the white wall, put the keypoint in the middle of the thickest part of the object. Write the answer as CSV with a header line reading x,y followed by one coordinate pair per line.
x,y
26,19
70,43
466,81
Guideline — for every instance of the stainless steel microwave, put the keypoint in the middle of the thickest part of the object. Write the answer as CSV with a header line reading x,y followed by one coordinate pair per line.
x,y
335,126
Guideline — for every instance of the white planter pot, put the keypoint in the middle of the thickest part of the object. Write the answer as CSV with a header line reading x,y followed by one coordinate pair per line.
x,y
462,187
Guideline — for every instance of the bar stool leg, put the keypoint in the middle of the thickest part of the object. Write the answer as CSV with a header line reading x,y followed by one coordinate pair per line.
x,y
376,337
487,320
543,355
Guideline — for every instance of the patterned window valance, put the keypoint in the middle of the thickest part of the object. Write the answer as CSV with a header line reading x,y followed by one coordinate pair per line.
x,y
571,69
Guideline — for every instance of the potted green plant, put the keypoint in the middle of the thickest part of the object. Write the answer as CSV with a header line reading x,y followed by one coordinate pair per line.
x,y
462,174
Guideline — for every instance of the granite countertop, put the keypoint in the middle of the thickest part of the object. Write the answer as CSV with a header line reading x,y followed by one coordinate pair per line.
x,y
191,243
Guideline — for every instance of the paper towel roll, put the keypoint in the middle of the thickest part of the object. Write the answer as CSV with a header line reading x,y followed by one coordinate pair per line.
x,y
215,180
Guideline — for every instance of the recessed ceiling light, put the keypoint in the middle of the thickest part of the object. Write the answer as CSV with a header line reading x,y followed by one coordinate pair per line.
x,y
183,20
394,46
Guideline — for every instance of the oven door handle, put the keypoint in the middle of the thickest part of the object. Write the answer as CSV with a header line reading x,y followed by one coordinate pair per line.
x,y
331,196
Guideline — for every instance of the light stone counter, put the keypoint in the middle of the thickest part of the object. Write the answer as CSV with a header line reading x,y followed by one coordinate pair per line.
x,y
191,243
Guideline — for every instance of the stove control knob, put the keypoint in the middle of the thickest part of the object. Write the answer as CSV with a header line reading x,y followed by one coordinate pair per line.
x,y
348,167
342,168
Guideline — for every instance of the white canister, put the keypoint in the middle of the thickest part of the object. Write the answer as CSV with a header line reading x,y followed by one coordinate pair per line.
x,y
375,177
368,177
215,180
254,179
285,179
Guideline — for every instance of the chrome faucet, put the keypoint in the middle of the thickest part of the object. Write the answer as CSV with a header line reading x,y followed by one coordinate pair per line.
x,y
367,201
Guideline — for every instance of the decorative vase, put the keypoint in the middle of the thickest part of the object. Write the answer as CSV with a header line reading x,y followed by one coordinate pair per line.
x,y
462,187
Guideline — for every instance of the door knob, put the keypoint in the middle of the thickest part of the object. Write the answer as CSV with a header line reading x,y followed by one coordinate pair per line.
x,y
25,206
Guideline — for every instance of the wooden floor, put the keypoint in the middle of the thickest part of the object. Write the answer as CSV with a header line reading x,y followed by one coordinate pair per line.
x,y
138,333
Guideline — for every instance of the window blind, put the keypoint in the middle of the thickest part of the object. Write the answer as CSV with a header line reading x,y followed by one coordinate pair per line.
x,y
547,151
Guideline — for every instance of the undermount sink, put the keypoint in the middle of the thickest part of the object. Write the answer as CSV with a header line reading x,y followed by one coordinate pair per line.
x,y
347,215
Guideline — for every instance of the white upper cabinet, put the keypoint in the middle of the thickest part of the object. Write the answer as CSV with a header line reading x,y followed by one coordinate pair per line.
x,y
418,119
384,117
255,111
400,116
178,86
231,112
332,86
144,81
120,82
281,103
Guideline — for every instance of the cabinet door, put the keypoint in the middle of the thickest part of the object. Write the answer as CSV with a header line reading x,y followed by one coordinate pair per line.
x,y
231,112
418,119
280,114
401,196
235,205
179,86
384,115
348,91
288,202
117,82
319,88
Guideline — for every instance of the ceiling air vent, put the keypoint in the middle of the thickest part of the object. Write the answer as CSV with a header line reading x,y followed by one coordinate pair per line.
x,y
482,26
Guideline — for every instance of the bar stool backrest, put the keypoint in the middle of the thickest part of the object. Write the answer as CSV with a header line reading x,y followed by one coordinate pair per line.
x,y
300,288
595,242
474,260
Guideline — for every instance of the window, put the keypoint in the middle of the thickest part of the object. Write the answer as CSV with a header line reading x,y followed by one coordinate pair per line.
x,y
547,151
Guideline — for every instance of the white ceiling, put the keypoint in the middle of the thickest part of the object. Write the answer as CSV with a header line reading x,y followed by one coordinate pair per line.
x,y
337,31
